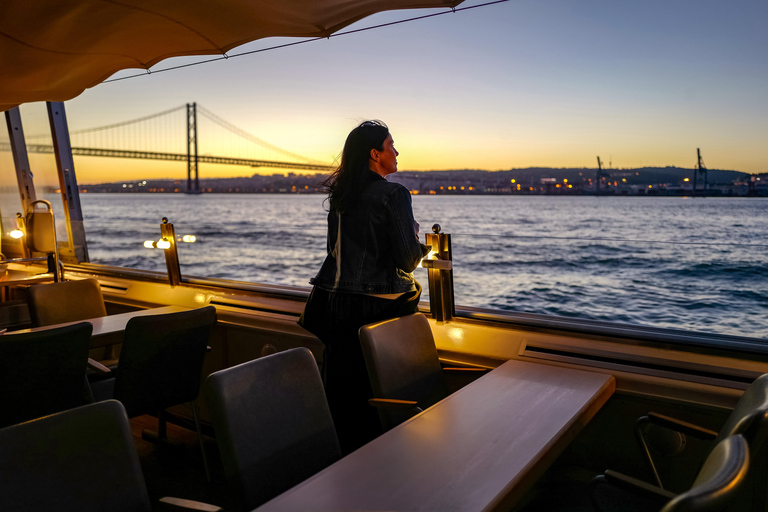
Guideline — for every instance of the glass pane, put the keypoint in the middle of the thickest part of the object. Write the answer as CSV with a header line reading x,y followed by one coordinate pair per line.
x,y
10,200
671,262
263,238
42,162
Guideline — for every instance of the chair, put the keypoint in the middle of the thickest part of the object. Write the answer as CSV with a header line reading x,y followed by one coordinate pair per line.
x,y
66,301
43,372
405,371
82,459
272,423
41,236
714,489
71,301
161,365
749,418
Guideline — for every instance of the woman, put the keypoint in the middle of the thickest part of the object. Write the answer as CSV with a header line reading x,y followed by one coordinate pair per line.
x,y
373,248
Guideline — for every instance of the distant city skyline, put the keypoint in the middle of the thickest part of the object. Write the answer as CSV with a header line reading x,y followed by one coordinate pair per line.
x,y
671,181
519,84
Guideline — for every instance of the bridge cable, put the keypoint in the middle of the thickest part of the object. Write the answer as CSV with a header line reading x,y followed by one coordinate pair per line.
x,y
108,127
252,138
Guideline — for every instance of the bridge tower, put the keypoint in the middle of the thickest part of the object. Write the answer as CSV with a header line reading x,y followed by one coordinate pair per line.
x,y
193,186
700,169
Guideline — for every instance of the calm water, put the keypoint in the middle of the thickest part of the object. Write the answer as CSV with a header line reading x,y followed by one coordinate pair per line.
x,y
695,264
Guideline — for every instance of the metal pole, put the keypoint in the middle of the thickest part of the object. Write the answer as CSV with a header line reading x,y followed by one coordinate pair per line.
x,y
20,158
77,250
171,254
441,298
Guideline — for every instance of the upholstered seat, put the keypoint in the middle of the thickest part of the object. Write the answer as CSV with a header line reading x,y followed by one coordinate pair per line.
x,y
749,418
82,459
71,301
272,423
714,489
67,301
43,372
161,364
404,368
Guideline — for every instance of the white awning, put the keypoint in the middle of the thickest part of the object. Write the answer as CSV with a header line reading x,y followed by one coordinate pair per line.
x,y
52,50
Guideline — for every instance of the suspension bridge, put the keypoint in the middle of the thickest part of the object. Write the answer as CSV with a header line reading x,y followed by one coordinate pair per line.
x,y
179,135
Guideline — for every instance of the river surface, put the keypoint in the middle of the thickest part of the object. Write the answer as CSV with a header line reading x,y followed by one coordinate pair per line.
x,y
693,264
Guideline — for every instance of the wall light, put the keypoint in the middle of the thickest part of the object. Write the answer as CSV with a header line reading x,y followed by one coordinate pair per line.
x,y
163,243
168,243
16,233
189,238
440,274
436,264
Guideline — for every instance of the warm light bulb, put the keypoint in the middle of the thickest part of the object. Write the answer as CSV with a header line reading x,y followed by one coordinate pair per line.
x,y
163,244
149,244
189,238
16,233
431,256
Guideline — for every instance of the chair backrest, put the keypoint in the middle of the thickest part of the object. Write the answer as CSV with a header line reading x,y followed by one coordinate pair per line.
x,y
67,301
161,361
43,372
41,229
82,459
272,423
750,416
402,360
716,485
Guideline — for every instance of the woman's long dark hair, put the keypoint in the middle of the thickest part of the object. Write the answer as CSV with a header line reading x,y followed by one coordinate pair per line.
x,y
346,183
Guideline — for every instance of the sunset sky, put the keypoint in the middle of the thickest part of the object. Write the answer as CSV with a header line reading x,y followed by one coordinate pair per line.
x,y
524,83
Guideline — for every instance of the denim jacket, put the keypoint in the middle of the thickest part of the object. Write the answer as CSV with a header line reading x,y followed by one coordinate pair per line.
x,y
372,248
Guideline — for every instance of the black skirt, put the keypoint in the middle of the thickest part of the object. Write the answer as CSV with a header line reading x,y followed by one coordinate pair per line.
x,y
328,314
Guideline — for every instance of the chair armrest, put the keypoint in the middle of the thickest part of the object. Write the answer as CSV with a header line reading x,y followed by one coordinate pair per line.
x,y
681,426
633,484
98,367
178,504
672,424
637,487
462,370
392,412
392,404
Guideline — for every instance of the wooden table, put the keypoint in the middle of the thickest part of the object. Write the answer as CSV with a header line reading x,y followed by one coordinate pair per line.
x,y
479,449
10,278
108,330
